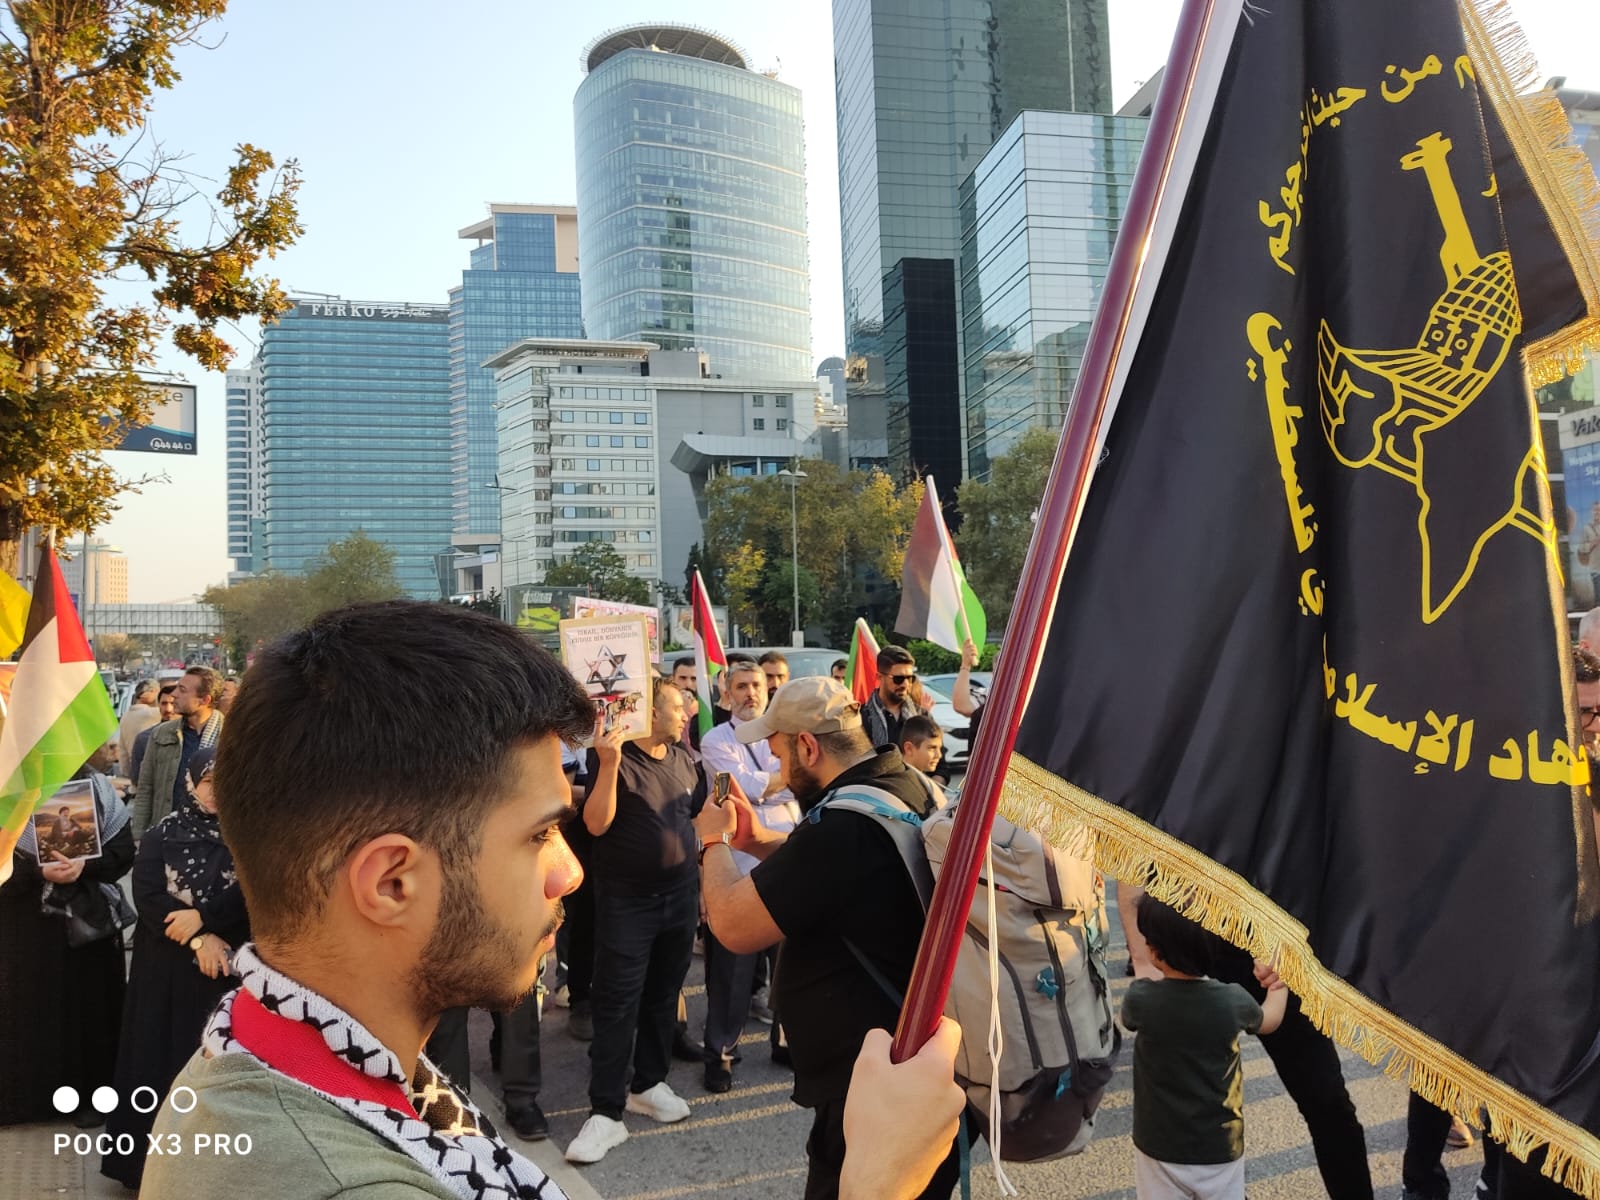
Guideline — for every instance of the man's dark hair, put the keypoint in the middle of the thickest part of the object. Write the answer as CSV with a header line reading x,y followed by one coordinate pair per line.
x,y
918,729
210,681
773,657
740,656
1585,665
893,656
1183,945
168,688
396,717
679,664
840,662
846,745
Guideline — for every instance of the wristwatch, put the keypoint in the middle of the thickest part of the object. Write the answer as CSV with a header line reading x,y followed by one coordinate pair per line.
x,y
197,941
725,840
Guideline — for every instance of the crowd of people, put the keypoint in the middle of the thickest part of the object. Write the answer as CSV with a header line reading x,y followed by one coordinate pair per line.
x,y
327,890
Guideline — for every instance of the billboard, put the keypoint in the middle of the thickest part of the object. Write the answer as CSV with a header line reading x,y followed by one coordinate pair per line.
x,y
172,421
1580,456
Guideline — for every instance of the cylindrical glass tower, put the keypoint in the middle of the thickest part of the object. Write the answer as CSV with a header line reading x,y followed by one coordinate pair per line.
x,y
691,202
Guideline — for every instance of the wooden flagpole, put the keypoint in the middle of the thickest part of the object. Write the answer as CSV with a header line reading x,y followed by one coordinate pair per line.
x,y
1058,516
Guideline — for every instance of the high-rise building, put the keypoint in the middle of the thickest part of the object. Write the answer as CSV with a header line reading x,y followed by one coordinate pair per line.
x,y
1039,218
521,281
96,574
613,441
924,87
691,202
355,418
244,467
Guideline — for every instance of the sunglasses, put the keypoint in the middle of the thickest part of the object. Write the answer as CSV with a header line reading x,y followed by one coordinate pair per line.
x,y
911,678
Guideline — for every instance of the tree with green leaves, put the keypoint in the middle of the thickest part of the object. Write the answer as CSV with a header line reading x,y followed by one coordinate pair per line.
x,y
598,568
997,520
853,527
354,569
85,201
258,609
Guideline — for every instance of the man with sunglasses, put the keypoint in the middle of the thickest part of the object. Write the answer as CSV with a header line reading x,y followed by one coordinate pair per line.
x,y
894,703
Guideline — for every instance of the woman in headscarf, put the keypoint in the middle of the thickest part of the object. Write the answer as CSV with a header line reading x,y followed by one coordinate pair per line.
x,y
191,919
62,1004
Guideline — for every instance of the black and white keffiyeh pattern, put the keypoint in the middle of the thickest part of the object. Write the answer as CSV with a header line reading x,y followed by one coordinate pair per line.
x,y
453,1142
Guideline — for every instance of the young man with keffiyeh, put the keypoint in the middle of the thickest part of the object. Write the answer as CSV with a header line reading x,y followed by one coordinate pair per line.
x,y
401,856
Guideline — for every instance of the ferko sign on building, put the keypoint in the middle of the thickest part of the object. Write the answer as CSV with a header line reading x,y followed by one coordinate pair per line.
x,y
172,422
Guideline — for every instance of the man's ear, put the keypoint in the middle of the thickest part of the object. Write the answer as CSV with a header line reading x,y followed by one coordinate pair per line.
x,y
386,878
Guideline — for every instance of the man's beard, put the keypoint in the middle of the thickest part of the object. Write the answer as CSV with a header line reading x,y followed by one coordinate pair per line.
x,y
805,786
470,961
749,710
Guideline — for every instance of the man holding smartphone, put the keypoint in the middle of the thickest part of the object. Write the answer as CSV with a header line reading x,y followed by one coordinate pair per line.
x,y
730,978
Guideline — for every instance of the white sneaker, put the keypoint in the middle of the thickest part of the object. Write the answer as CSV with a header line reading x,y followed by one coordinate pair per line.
x,y
660,1103
598,1137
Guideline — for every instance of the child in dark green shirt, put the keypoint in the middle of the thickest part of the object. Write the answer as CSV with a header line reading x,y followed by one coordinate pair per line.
x,y
1188,1082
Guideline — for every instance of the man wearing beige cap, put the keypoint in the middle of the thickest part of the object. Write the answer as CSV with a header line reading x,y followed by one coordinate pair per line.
x,y
838,876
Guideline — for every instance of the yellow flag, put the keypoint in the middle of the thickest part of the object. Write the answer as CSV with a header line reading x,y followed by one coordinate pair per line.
x,y
13,614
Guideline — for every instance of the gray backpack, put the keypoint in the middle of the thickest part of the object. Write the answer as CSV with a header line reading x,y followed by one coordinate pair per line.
x,y
1060,1035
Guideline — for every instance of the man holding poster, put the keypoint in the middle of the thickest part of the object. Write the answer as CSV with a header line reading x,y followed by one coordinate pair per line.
x,y
642,795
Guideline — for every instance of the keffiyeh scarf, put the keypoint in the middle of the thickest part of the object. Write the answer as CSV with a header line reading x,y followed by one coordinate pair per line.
x,y
448,1137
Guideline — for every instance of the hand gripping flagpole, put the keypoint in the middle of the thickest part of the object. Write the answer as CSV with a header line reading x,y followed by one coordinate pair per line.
x,y
1201,41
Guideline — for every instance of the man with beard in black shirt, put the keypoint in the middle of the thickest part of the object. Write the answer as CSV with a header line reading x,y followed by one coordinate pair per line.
x,y
835,877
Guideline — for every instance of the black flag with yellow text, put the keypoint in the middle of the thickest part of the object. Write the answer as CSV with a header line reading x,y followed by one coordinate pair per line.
x,y
1308,671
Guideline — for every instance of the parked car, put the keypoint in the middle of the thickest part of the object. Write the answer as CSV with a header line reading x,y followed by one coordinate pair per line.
x,y
803,660
978,683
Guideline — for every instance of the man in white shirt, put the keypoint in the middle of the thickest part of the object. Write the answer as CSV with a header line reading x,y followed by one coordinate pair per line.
x,y
730,977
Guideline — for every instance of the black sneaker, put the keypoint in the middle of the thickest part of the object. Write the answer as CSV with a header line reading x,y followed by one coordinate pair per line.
x,y
780,1055
687,1049
719,1075
528,1122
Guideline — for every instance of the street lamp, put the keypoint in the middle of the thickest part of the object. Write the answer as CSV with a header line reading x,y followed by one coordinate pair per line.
x,y
505,592
797,636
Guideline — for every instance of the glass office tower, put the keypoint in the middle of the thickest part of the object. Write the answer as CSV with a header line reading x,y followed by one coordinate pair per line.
x,y
691,202
1039,218
522,282
355,421
924,87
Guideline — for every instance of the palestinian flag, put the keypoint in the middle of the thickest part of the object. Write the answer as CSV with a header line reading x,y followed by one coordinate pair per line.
x,y
60,712
861,675
935,601
709,657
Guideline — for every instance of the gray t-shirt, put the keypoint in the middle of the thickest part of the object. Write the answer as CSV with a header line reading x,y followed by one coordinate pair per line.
x,y
302,1147
1188,1081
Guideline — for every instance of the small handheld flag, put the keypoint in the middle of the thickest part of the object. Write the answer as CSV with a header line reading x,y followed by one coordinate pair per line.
x,y
60,712
709,657
935,600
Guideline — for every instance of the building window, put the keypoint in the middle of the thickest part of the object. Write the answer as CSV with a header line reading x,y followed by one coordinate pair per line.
x,y
757,401
564,416
758,423
591,418
616,418
592,464
616,441
783,422
592,439
641,443
641,418
780,402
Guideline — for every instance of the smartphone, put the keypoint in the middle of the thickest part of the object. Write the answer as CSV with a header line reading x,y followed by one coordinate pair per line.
x,y
719,787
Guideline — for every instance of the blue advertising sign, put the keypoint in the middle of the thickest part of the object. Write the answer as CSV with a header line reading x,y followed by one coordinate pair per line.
x,y
172,422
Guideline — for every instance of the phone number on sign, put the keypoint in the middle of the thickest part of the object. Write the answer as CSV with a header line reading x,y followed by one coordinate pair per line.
x,y
172,1145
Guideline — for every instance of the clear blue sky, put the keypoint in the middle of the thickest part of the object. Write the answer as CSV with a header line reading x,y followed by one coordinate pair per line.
x,y
408,116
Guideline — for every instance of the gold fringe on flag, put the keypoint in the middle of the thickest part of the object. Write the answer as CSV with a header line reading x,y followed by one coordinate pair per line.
x,y
1558,170
1228,905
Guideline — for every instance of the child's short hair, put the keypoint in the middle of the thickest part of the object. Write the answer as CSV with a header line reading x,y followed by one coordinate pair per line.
x,y
1183,945
918,729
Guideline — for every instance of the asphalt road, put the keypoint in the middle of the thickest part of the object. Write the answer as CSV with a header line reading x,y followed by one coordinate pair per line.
x,y
750,1143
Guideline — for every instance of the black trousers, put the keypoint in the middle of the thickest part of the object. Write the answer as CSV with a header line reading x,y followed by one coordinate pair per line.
x,y
449,1049
1308,1064
1422,1167
730,982
520,1074
643,945
825,1159
576,936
